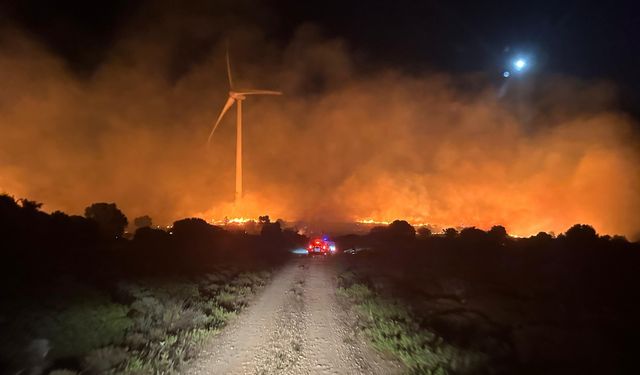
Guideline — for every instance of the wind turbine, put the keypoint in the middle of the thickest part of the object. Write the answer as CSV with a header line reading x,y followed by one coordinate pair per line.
x,y
237,96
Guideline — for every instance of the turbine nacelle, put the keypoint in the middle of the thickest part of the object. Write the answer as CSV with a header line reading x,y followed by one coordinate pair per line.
x,y
242,95
237,96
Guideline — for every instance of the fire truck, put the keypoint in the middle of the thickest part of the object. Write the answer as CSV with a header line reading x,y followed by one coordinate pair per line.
x,y
321,246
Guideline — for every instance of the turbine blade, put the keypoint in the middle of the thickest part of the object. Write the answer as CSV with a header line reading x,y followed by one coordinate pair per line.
x,y
229,70
259,92
226,107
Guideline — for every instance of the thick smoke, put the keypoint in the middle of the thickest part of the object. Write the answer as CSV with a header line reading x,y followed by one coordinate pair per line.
x,y
340,145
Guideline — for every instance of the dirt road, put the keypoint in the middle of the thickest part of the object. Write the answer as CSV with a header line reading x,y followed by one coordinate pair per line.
x,y
295,326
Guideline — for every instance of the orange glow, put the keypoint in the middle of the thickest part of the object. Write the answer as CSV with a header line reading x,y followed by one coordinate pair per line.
x,y
369,147
414,222
233,220
437,228
373,222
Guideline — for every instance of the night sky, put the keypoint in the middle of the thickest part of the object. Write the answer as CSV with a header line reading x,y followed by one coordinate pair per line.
x,y
599,40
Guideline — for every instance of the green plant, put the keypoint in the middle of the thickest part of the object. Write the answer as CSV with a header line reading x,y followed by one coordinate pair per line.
x,y
176,290
218,316
135,340
176,318
357,292
63,372
245,279
215,278
227,301
82,327
156,326
233,298
136,365
347,278
392,328
101,360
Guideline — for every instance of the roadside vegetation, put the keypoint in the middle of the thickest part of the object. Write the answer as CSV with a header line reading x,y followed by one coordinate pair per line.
x,y
78,298
393,328
476,302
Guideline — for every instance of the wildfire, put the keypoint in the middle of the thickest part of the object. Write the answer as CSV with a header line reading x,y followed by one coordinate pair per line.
x,y
233,221
372,222
415,223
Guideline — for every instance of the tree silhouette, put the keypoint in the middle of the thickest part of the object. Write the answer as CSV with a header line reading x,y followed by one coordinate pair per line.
x,y
472,234
498,235
271,230
195,231
581,233
498,232
110,219
142,222
424,232
30,206
450,232
401,229
264,219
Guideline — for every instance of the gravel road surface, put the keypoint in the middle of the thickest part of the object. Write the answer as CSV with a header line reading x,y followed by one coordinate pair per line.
x,y
295,326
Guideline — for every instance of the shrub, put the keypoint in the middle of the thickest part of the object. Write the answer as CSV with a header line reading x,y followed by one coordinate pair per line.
x,y
347,278
175,318
137,366
209,290
147,312
176,290
359,293
218,316
63,372
228,301
245,279
110,219
392,328
216,278
102,360
82,327
135,340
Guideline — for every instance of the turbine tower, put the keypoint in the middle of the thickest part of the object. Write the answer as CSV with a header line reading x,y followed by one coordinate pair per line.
x,y
237,96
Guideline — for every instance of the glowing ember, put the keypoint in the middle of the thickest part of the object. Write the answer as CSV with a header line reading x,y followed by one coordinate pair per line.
x,y
436,228
233,220
415,223
372,222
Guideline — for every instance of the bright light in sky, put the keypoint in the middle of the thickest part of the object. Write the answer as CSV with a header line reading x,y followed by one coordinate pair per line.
x,y
519,64
506,74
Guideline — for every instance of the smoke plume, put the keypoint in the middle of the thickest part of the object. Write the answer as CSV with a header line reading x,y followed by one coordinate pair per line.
x,y
344,143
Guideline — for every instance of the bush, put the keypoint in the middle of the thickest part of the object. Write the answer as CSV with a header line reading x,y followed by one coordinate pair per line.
x,y
359,293
135,340
176,318
245,279
63,372
146,313
102,360
229,301
392,328
110,219
82,327
218,316
216,278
